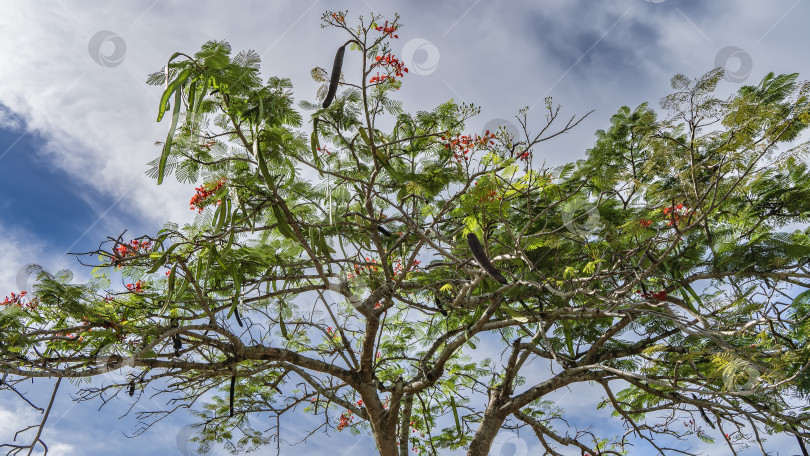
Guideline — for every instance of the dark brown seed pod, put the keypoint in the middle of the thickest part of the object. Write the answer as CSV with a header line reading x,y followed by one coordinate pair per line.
x,y
439,305
335,76
233,386
703,414
801,442
481,257
131,388
238,320
178,344
383,231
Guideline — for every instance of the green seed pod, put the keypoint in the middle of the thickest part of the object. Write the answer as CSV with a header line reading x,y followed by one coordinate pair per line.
x,y
481,257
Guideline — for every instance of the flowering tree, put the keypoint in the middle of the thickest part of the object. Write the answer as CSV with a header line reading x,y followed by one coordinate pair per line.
x,y
349,272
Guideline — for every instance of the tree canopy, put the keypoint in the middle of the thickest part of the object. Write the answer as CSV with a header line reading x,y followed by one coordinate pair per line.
x,y
362,264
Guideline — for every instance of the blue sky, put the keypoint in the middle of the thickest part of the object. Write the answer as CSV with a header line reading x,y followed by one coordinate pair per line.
x,y
76,134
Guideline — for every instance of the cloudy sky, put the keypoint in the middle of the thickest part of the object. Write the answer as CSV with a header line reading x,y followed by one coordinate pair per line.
x,y
77,120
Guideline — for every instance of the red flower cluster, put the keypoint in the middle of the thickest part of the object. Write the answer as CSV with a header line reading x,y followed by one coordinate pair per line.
x,y
198,200
371,267
124,250
17,300
398,267
488,196
465,144
208,144
345,420
675,213
323,150
136,288
338,17
387,30
657,295
525,156
645,223
378,78
392,63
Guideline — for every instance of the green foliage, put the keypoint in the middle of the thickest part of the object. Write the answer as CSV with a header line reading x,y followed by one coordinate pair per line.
x,y
651,268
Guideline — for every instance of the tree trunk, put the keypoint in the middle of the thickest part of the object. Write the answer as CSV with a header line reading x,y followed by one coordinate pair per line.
x,y
489,427
383,422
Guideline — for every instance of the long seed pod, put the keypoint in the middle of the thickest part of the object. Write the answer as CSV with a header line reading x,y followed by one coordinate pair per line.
x,y
131,388
238,320
233,386
703,414
335,76
801,442
383,231
439,305
481,257
178,345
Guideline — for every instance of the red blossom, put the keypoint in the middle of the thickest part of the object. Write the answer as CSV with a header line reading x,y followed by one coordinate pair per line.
x,y
136,288
198,201
387,30
462,145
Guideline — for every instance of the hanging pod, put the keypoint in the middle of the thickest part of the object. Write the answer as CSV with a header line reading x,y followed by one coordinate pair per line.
x,y
236,314
335,76
481,257
233,386
178,344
